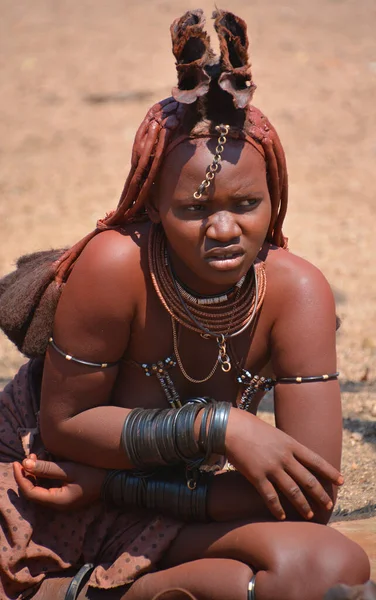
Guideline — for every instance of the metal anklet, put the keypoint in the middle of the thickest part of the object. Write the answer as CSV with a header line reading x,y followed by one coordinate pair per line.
x,y
79,361
251,589
79,581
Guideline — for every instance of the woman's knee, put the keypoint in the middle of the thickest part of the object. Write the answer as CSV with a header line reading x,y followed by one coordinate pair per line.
x,y
343,559
315,563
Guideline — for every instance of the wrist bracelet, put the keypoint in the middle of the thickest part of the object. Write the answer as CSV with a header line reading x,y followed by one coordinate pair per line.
x,y
160,437
164,491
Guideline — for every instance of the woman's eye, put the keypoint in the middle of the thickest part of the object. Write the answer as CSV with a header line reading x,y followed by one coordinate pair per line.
x,y
195,207
250,202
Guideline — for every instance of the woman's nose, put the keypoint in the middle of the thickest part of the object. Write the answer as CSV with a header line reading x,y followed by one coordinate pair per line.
x,y
223,227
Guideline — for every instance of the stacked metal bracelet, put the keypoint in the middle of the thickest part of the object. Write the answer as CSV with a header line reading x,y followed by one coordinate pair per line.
x,y
160,437
163,491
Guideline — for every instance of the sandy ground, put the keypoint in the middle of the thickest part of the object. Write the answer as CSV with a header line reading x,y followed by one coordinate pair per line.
x,y
77,78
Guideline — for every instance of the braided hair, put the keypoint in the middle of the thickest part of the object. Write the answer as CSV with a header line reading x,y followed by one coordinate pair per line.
x,y
211,90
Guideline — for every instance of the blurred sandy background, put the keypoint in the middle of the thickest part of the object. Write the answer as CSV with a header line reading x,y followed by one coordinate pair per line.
x,y
76,80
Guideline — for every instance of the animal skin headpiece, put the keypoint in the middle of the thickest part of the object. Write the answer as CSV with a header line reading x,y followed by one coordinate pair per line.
x,y
211,91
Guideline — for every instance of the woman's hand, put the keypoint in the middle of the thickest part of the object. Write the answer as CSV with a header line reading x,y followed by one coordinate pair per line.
x,y
270,459
80,484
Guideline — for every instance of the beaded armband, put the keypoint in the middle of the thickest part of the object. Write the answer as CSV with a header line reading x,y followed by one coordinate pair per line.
x,y
79,361
255,383
311,379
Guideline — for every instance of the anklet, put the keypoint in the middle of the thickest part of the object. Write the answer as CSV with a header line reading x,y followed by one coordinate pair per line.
x,y
251,588
79,581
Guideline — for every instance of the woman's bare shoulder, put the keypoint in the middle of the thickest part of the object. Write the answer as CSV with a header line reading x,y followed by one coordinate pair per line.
x,y
112,257
293,278
302,315
101,295
109,249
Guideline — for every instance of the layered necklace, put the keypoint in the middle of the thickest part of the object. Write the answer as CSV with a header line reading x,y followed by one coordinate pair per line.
x,y
207,316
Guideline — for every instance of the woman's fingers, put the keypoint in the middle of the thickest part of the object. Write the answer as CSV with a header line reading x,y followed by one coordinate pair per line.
x,y
53,497
318,464
268,493
45,469
291,490
21,478
308,482
26,485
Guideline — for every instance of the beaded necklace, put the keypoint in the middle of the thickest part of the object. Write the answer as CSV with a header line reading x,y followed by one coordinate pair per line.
x,y
209,319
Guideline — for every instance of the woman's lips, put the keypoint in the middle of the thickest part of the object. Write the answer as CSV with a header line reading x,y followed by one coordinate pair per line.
x,y
226,261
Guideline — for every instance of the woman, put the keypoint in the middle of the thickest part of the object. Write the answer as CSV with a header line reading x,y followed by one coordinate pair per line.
x,y
153,341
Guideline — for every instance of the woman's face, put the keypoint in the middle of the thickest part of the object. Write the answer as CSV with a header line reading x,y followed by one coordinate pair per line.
x,y
213,241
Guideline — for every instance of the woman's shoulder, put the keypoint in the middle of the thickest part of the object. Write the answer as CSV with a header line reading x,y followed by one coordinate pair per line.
x,y
294,280
111,247
114,254
109,273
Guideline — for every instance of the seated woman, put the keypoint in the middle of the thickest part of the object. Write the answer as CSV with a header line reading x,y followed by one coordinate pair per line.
x,y
173,318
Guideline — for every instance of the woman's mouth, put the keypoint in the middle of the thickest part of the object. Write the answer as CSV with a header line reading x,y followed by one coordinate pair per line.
x,y
225,261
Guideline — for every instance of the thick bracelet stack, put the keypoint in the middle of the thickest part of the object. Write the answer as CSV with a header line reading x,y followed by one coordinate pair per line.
x,y
164,491
161,437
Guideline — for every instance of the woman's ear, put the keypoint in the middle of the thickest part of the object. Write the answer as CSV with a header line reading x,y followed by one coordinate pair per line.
x,y
151,205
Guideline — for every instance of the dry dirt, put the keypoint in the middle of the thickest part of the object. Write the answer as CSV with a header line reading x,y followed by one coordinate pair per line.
x,y
77,78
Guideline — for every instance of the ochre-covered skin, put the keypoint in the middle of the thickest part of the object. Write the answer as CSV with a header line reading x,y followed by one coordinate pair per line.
x,y
261,515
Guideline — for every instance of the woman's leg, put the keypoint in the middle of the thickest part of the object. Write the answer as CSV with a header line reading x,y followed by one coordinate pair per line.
x,y
292,560
206,579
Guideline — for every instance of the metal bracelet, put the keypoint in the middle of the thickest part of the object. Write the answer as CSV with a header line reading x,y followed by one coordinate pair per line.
x,y
152,437
161,437
203,428
219,426
164,491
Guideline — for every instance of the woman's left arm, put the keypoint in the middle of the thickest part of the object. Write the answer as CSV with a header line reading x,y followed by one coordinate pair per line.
x,y
303,344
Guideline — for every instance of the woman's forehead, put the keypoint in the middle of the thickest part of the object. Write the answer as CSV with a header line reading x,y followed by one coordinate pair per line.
x,y
187,164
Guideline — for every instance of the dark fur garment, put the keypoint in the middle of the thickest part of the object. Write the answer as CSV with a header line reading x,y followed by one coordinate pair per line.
x,y
28,300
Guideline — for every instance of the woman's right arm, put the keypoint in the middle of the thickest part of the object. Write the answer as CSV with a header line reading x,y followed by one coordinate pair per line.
x,y
92,322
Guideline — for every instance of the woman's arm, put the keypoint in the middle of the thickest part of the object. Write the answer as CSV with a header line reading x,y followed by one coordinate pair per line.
x,y
304,343
92,322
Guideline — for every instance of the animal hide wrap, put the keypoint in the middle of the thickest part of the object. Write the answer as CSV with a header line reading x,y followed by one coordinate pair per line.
x,y
28,301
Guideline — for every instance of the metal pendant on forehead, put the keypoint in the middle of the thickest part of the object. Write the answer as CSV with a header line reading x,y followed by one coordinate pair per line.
x,y
214,166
